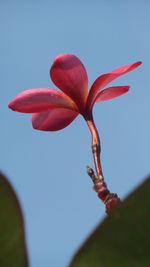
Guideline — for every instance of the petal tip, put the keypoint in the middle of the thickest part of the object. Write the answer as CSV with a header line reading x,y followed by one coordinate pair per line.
x,y
139,63
9,105
63,58
12,106
127,87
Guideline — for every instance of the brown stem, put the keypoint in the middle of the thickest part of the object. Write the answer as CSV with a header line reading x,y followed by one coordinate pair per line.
x,y
111,200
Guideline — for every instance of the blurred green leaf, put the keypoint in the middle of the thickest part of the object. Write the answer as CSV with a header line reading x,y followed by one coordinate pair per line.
x,y
123,238
12,241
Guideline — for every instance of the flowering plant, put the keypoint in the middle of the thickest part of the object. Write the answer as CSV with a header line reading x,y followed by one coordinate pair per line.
x,y
54,110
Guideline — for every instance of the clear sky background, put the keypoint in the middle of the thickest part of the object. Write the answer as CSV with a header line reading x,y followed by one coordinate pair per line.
x,y
47,169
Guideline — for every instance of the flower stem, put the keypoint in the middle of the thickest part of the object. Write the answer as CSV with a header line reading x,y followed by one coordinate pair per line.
x,y
96,148
111,200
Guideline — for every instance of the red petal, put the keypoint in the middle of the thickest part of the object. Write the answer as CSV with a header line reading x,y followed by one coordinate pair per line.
x,y
69,74
111,92
53,120
105,79
41,99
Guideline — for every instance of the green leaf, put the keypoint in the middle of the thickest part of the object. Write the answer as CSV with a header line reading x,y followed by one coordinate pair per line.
x,y
12,241
123,238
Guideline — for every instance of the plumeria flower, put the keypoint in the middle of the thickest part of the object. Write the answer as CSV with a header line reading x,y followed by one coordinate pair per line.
x,y
54,110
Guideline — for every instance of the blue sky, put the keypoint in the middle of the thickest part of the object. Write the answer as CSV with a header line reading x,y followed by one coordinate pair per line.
x,y
47,169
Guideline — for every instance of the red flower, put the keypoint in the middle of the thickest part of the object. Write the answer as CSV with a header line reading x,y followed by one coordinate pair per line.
x,y
54,110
